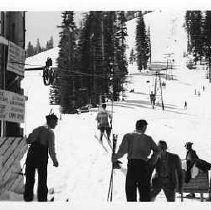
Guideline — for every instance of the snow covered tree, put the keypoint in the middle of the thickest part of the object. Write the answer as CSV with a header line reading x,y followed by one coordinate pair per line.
x,y
142,43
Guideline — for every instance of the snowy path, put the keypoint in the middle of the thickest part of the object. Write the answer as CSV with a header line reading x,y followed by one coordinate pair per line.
x,y
84,170
85,167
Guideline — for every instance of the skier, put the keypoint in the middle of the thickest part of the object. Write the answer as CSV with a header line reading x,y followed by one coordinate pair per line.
x,y
103,124
152,99
185,105
138,146
191,156
42,143
193,159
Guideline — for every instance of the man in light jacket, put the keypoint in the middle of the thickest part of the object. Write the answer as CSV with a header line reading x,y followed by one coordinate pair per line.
x,y
138,146
42,143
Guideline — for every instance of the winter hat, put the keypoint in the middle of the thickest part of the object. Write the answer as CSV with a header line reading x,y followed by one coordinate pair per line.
x,y
140,124
51,117
188,144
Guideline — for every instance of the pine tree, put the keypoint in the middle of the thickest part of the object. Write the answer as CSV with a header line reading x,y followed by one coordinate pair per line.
x,y
149,45
30,50
102,57
132,57
64,89
85,57
92,56
195,34
120,56
142,43
110,62
187,27
38,48
207,35
50,44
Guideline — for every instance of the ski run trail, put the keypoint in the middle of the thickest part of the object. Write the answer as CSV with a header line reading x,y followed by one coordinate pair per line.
x,y
84,168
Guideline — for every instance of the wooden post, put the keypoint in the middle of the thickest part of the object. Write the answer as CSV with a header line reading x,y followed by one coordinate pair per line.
x,y
161,93
201,197
4,42
182,198
3,123
209,70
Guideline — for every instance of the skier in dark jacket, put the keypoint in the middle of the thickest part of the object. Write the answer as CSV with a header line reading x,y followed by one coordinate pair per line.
x,y
41,142
191,159
168,174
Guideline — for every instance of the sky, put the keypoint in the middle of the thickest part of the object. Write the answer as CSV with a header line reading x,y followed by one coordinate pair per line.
x,y
42,25
42,18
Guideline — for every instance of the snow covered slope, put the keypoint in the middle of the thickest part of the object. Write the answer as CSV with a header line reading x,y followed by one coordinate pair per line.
x,y
84,167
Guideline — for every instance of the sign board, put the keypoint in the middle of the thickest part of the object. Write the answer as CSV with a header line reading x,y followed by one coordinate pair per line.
x,y
12,106
16,59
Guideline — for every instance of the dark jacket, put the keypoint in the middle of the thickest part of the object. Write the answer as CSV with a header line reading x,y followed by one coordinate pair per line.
x,y
191,156
191,159
174,171
44,136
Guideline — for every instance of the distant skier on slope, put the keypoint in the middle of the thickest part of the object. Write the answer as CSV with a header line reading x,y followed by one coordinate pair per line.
x,y
152,99
103,123
185,105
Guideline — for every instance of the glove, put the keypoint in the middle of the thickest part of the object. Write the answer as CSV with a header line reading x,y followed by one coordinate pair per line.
x,y
117,164
56,164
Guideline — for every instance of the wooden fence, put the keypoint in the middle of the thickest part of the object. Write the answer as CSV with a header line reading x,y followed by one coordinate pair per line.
x,y
12,150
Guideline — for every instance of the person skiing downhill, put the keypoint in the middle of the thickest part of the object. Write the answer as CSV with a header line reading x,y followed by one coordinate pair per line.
x,y
41,142
103,123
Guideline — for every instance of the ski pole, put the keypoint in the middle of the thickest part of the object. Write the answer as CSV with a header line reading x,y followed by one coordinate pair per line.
x,y
110,187
110,190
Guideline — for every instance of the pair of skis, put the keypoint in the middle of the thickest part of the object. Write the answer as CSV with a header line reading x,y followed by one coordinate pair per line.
x,y
101,143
